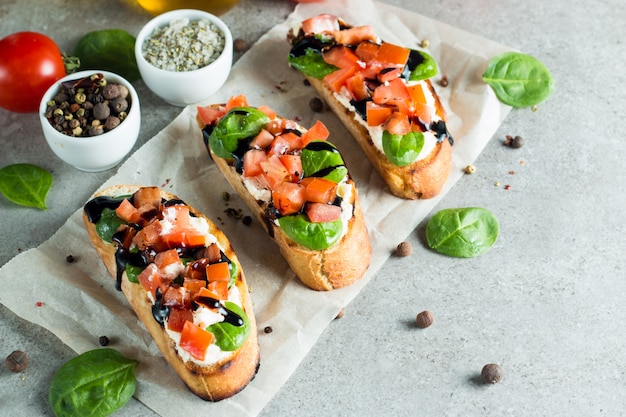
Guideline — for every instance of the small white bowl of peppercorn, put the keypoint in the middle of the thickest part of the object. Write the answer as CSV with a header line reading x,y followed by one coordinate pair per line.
x,y
91,119
184,56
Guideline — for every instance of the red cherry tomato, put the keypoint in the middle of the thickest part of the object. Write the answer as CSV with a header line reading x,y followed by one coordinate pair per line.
x,y
29,64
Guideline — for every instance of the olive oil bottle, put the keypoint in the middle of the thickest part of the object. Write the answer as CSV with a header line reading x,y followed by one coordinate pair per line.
x,y
216,7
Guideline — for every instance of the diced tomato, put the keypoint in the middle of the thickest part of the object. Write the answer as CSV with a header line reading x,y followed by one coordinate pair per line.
x,y
127,212
125,235
213,253
150,236
209,115
236,101
424,112
268,111
324,23
293,163
259,181
357,87
389,73
185,238
219,288
354,35
252,162
318,131
262,140
275,126
151,280
218,272
337,79
416,91
341,57
177,318
274,172
377,114
167,258
319,190
206,293
147,196
320,212
394,93
285,143
390,55
398,124
175,297
178,215
366,50
288,198
194,286
195,340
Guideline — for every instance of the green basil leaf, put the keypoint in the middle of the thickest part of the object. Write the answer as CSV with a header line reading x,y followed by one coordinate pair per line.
x,y
427,68
94,384
234,273
402,149
238,124
108,224
316,236
110,50
227,336
519,80
311,64
133,272
327,163
25,184
462,232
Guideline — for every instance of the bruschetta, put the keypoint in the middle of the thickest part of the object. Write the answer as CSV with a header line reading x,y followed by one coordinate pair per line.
x,y
182,278
297,185
383,95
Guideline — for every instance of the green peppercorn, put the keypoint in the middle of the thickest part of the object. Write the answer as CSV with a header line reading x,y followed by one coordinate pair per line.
x,y
80,98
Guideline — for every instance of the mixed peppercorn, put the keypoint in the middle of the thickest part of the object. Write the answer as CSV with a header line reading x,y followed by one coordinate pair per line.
x,y
88,106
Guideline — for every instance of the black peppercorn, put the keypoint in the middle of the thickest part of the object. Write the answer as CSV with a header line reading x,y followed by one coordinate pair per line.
x,y
103,340
101,111
316,104
17,361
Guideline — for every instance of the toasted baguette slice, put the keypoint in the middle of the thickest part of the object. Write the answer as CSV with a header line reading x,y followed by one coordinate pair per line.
x,y
333,267
155,296
425,176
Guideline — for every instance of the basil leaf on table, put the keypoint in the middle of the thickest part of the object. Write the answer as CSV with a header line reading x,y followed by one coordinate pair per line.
x,y
238,124
95,383
315,236
110,50
25,184
519,80
402,149
228,336
462,232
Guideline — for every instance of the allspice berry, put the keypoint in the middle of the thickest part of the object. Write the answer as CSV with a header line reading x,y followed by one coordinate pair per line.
x,y
404,249
492,373
424,319
17,361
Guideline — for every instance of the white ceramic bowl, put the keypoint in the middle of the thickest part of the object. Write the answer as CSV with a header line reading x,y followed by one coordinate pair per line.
x,y
185,87
93,153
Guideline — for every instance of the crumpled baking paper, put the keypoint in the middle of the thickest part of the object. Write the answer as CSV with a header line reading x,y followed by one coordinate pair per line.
x,y
80,302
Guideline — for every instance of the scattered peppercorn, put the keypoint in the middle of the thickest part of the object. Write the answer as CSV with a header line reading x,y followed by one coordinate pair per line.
x,y
404,249
268,329
306,82
103,340
247,220
69,259
316,105
514,141
240,45
491,373
17,361
444,81
341,313
470,169
425,43
226,196
424,319
507,187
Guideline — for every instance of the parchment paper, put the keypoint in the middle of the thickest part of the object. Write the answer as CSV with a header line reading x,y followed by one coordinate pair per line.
x,y
80,302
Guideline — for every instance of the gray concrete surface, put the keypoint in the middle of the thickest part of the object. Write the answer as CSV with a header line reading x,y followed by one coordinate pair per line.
x,y
547,302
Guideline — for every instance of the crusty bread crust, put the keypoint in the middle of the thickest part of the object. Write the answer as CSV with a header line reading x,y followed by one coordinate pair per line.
x,y
335,267
213,383
422,179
